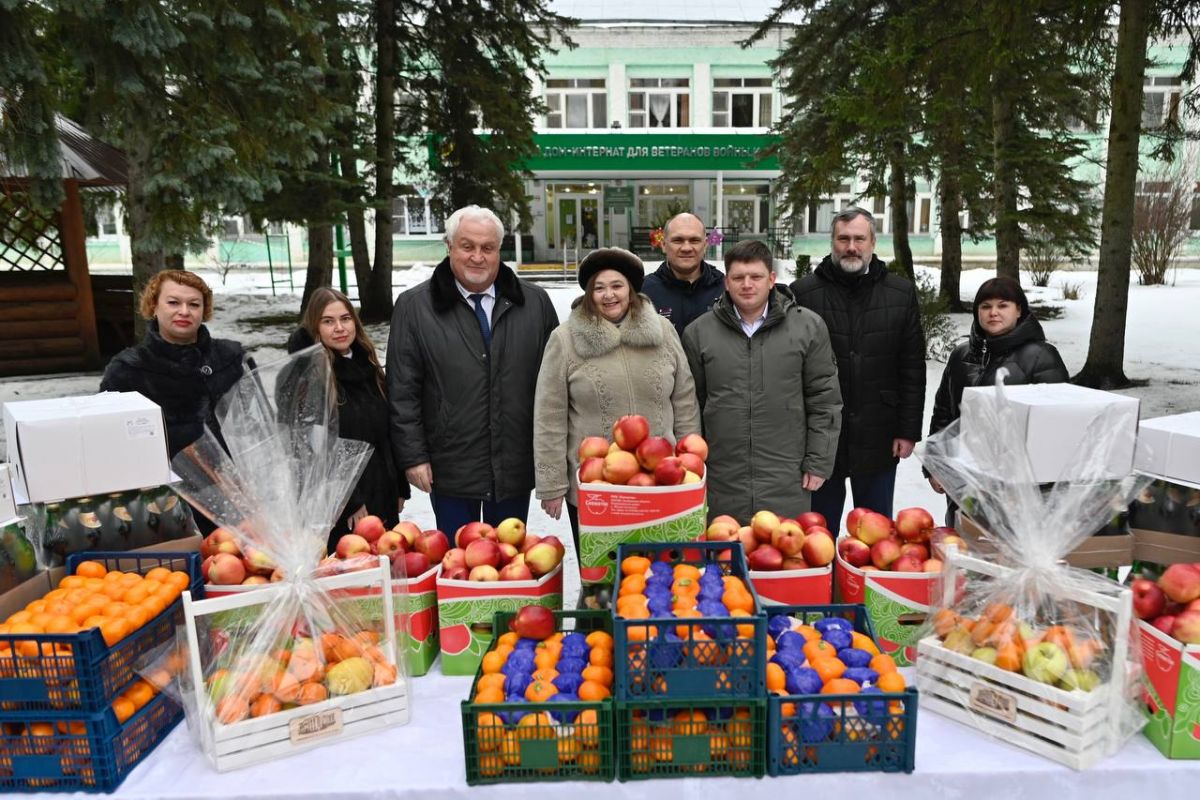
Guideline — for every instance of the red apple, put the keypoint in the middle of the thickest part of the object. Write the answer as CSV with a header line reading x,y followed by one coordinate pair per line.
x,y
1181,582
507,553
370,528
455,557
544,557
669,472
257,562
788,538
515,572
722,529
456,574
391,542
415,564
352,545
511,531
853,517
872,527
764,524
593,447
226,569
818,549
919,551
932,565
642,479
810,518
483,572
433,543
620,466
591,470
629,431
1148,600
474,531
745,535
409,530
693,443
1164,623
884,552
690,477
914,524
909,563
652,450
765,557
795,562
530,540
854,552
692,463
483,551
1187,627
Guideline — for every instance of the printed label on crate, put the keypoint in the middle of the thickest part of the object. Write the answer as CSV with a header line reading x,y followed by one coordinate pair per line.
x,y
992,702
315,726
794,587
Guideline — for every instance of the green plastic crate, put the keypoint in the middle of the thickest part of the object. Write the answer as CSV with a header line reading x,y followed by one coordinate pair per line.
x,y
688,738
840,732
561,749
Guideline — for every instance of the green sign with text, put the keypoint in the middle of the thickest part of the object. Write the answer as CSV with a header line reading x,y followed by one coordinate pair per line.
x,y
618,198
652,151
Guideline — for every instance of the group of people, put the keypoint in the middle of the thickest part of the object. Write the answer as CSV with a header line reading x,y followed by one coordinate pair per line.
x,y
485,397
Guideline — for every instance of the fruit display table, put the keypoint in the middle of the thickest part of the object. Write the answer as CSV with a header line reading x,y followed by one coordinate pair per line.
x,y
424,759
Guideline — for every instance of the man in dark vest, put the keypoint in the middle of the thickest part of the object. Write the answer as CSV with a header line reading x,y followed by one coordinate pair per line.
x,y
685,285
874,324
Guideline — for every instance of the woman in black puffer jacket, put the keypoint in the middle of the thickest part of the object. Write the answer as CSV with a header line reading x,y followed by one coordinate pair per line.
x,y
362,406
1003,334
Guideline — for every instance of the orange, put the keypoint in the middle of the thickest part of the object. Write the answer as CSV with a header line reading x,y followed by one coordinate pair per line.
x,y
130,578
489,696
114,630
123,708
637,612
112,589
639,633
544,659
587,728
36,606
547,674
891,682
72,581
684,602
883,663
744,631
635,565
265,704
687,587
568,750
808,632
115,609
819,649
155,605
686,572
632,584
137,616
28,649
158,574
180,579
776,678
540,691
689,723
139,693
90,569
60,624
861,641
493,662
489,732
828,668
600,657
599,674
508,638
840,686
599,639
630,602
493,681
535,726
591,690
135,594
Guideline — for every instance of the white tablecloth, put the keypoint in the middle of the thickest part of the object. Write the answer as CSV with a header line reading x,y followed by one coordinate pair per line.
x,y
424,761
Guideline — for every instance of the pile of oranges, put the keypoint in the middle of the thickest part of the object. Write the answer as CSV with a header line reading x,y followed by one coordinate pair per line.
x,y
117,603
727,731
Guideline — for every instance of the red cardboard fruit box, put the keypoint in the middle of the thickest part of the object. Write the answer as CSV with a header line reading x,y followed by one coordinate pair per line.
x,y
613,515
897,603
466,610
1172,692
794,587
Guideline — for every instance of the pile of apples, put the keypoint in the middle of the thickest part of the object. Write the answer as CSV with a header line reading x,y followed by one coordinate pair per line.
x,y
904,545
506,552
772,544
1172,604
226,564
405,545
635,458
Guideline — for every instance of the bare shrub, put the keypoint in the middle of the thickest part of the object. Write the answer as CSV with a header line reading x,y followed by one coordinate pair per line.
x,y
1161,222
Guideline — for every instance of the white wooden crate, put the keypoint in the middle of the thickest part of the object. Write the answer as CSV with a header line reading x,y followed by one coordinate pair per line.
x,y
295,730
1072,728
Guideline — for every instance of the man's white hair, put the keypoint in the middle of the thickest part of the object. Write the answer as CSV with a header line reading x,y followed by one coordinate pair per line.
x,y
473,212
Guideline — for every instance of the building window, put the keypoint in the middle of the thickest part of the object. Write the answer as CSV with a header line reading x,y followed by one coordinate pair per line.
x,y
412,215
1194,221
1160,101
576,103
658,202
741,103
659,103
106,221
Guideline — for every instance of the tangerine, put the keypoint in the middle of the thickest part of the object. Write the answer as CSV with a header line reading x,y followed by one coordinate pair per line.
x,y
599,639
493,662
891,682
123,708
828,668
883,663
599,674
635,565
776,677
592,690
89,569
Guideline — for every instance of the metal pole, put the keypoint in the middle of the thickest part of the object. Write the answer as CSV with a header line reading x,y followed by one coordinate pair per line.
x,y
720,209
516,227
270,263
340,244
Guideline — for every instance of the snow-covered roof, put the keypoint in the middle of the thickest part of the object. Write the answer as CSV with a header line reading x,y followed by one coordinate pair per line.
x,y
694,12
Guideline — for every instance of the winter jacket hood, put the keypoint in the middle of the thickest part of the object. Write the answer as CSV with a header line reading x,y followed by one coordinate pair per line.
x,y
592,338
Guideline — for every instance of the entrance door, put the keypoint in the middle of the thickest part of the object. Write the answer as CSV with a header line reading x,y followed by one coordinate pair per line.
x,y
742,213
578,224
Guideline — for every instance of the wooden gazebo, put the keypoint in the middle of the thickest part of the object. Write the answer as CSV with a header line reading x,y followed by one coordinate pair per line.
x,y
47,298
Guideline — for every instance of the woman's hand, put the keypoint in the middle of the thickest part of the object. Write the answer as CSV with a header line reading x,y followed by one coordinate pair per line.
x,y
553,508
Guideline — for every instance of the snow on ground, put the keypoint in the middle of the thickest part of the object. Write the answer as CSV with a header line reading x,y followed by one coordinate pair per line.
x,y
1162,347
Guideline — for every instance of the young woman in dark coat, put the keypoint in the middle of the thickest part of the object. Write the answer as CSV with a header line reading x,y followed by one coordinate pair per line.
x,y
331,320
1004,333
178,365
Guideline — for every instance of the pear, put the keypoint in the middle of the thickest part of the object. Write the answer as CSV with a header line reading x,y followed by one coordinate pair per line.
x,y
985,654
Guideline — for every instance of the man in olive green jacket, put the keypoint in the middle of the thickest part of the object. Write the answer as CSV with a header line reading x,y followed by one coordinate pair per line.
x,y
766,379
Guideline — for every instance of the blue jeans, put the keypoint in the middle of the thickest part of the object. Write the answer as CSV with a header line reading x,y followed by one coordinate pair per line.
x,y
454,512
873,491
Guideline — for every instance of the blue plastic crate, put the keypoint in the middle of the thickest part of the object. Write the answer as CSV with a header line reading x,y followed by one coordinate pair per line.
x,y
840,732
685,657
83,673
85,752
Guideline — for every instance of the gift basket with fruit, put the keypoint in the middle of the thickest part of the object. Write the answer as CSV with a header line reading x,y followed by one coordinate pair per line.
x,y
275,672
540,706
1030,650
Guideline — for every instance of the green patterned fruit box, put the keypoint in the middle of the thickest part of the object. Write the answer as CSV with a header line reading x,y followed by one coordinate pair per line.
x,y
1172,693
896,619
466,610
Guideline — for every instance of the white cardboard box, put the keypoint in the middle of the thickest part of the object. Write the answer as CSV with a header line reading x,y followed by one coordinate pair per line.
x,y
8,505
1170,447
77,446
1055,418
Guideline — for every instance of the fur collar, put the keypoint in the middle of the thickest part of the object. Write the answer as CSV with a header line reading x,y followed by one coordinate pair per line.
x,y
444,293
595,337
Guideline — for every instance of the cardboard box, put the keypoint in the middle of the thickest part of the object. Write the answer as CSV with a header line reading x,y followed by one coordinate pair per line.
x,y
1172,693
80,446
1055,418
1165,548
794,587
1169,447
8,504
897,604
466,608
613,515
1097,552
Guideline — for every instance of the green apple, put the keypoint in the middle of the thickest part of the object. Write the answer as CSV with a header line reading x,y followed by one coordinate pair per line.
x,y
985,654
959,640
1046,662
1085,679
